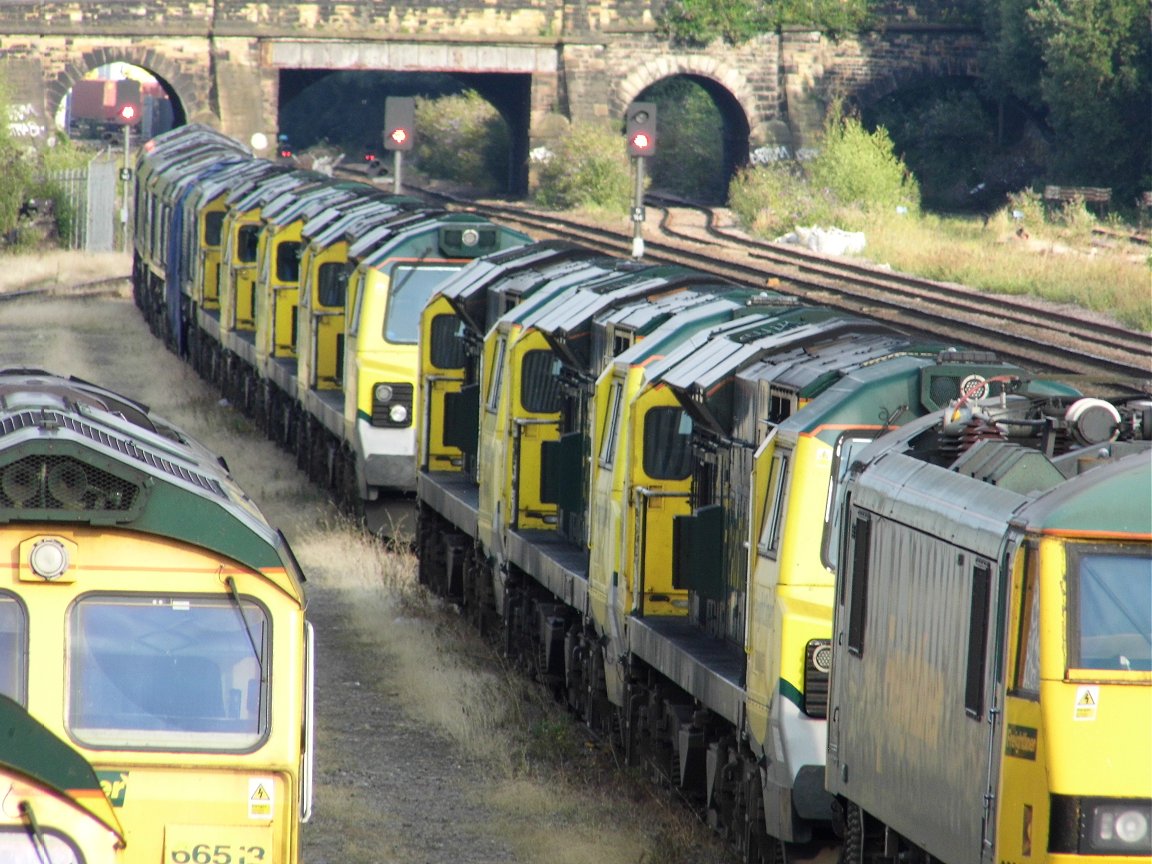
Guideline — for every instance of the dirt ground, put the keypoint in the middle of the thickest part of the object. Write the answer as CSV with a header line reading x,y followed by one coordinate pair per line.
x,y
428,750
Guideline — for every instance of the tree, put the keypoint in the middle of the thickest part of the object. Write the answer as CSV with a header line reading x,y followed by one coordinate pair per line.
x,y
16,176
700,22
1096,81
1084,68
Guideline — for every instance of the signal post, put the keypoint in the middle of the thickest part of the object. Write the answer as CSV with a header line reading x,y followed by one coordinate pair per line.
x,y
640,130
127,115
399,133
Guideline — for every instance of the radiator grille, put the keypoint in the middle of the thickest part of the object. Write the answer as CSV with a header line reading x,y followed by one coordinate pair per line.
x,y
47,482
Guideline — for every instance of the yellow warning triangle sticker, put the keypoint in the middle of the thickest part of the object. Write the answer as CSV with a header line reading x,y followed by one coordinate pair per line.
x,y
260,793
1086,698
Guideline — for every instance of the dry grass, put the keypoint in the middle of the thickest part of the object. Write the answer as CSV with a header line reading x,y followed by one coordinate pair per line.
x,y
1050,263
61,268
552,782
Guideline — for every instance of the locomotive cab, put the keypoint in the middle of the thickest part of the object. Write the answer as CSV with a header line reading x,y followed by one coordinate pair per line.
x,y
1028,562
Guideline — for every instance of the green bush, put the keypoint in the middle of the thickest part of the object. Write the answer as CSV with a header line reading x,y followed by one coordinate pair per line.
x,y
859,168
1029,204
464,139
772,199
1075,215
831,16
588,166
854,175
700,22
16,178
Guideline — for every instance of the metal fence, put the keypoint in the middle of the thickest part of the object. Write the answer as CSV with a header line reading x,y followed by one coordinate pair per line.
x,y
90,195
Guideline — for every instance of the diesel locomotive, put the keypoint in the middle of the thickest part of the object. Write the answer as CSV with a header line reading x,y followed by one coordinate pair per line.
x,y
657,488
298,295
54,808
153,618
642,478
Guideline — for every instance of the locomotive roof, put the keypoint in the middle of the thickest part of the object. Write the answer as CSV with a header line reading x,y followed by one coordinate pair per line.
x,y
513,273
301,203
577,323
193,134
747,340
665,325
971,494
570,285
189,144
379,232
258,196
135,470
350,220
235,176
1110,499
806,351
172,178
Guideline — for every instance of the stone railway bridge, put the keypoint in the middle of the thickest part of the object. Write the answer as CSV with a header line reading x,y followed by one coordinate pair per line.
x,y
541,63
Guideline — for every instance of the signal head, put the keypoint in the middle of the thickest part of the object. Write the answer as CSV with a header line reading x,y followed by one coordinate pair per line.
x,y
399,122
640,129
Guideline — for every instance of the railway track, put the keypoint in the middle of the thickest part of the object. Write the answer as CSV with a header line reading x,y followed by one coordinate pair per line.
x,y
95,288
1041,336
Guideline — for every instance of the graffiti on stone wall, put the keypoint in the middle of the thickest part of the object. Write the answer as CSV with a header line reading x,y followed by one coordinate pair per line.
x,y
24,121
781,153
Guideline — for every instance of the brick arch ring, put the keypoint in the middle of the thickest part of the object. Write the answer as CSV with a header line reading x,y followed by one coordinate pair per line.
x,y
180,84
671,65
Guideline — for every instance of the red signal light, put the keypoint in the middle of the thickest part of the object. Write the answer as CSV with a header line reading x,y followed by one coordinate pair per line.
x,y
399,137
128,113
640,128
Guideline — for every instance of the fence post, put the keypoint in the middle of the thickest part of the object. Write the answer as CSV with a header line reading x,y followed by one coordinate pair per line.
x,y
101,212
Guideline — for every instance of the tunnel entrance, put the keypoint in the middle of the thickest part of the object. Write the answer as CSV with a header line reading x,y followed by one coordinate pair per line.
x,y
702,137
344,111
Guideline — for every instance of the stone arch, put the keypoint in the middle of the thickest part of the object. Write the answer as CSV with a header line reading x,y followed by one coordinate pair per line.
x,y
898,78
732,93
180,86
692,65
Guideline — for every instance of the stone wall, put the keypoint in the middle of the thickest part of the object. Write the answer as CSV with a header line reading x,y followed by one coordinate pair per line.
x,y
817,70
587,59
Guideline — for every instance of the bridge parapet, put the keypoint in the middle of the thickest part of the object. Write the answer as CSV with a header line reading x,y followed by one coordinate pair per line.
x,y
558,60
361,19
91,17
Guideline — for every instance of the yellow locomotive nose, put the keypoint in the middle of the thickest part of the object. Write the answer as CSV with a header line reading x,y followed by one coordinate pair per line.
x,y
155,620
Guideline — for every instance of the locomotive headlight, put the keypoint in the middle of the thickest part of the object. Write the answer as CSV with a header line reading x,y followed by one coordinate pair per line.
x,y
49,559
817,667
1121,827
392,404
1131,826
469,237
